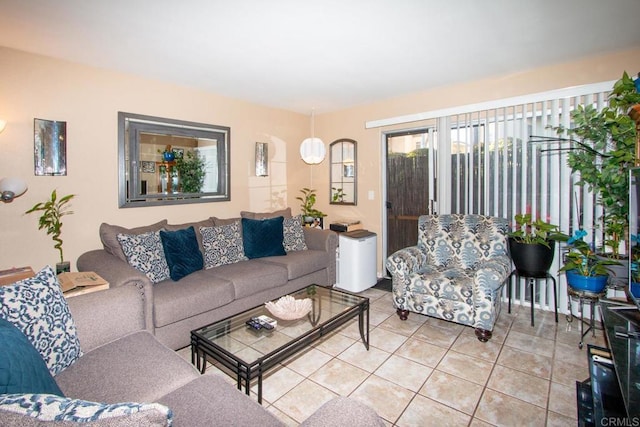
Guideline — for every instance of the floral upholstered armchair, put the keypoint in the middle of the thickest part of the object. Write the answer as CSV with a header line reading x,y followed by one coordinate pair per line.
x,y
455,272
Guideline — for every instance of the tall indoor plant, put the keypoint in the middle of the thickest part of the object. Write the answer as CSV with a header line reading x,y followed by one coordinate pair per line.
x,y
50,220
604,152
532,245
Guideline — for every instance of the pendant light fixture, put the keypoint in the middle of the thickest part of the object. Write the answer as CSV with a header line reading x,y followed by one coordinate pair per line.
x,y
312,149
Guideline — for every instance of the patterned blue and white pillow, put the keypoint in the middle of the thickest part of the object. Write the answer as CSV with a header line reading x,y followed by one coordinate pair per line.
x,y
145,253
293,234
222,245
37,307
49,407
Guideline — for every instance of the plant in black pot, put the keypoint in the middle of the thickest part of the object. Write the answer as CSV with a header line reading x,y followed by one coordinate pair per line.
x,y
532,245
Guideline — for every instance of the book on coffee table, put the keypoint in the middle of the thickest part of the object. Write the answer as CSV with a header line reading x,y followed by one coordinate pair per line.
x,y
83,282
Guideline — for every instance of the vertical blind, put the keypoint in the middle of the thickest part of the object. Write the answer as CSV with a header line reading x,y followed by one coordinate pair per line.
x,y
491,161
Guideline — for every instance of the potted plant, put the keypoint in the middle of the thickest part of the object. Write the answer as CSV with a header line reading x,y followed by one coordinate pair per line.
x,y
51,220
338,195
311,216
604,152
585,270
532,245
191,172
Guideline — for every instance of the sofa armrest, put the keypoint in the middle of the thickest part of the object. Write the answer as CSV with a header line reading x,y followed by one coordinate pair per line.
x,y
492,273
327,241
114,270
343,411
104,316
119,273
320,240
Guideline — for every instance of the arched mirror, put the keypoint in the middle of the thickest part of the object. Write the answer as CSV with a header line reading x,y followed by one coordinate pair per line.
x,y
344,169
166,161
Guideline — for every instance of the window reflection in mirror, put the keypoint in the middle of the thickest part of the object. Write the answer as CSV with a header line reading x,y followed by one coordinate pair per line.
x,y
166,161
343,172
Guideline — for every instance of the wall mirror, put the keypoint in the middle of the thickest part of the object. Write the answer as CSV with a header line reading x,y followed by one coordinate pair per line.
x,y
343,165
165,161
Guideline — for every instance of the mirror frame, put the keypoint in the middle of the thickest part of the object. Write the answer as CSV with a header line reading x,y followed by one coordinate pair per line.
x,y
129,191
339,170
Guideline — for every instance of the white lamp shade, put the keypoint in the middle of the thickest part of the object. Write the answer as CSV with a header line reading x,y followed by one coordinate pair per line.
x,y
312,151
12,187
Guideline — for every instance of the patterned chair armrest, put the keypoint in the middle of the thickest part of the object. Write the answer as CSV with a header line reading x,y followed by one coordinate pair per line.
x,y
404,262
493,272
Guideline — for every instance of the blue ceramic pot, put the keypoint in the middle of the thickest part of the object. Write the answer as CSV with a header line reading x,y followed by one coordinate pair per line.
x,y
593,284
168,156
635,289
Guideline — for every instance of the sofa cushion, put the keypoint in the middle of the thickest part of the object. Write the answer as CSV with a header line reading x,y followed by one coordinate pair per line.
x,y
144,252
293,234
285,213
225,405
263,237
22,369
196,226
197,293
250,277
222,244
39,310
49,407
134,368
182,252
109,233
300,263
224,221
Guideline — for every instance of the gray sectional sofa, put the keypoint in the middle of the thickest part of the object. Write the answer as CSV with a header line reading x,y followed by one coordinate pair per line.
x,y
123,362
174,308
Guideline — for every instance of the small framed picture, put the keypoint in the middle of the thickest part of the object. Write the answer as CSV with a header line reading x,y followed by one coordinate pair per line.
x,y
179,152
148,167
50,147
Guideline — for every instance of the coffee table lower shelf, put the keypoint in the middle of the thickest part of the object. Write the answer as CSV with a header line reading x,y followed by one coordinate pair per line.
x,y
203,347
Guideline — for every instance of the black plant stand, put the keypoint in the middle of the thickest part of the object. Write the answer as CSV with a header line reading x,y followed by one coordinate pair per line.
x,y
532,280
592,299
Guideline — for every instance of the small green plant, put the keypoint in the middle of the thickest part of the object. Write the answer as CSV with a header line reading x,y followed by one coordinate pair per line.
x,y
308,201
51,219
534,232
338,195
583,260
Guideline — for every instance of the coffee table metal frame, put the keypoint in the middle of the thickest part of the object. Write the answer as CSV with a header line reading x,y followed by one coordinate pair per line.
x,y
201,346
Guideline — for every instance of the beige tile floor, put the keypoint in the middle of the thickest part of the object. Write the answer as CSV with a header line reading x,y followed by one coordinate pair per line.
x,y
426,371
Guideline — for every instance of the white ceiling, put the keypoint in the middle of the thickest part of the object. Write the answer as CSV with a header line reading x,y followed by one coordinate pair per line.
x,y
324,55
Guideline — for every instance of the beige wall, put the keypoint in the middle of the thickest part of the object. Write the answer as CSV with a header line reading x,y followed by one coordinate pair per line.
x,y
350,123
88,99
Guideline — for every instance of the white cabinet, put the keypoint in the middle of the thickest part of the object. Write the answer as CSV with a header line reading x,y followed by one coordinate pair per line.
x,y
356,260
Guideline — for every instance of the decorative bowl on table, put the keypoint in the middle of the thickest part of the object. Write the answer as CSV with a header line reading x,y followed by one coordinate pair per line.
x,y
289,308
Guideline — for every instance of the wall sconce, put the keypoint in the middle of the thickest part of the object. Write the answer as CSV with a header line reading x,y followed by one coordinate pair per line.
x,y
11,187
312,149
2,125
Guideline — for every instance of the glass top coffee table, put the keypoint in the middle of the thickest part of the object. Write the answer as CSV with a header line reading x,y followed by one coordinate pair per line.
x,y
249,353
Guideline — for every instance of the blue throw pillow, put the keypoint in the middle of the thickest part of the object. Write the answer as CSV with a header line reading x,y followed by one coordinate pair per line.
x,y
22,369
262,237
182,252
